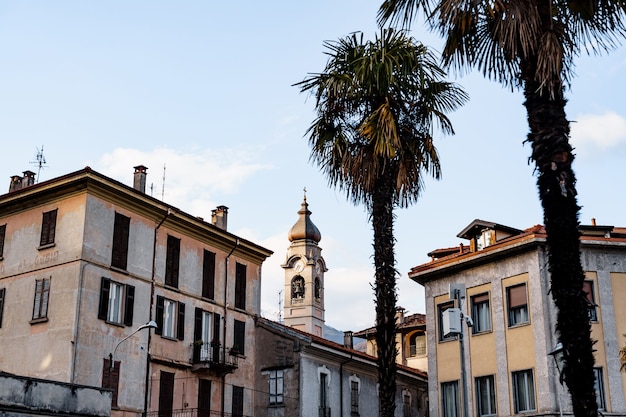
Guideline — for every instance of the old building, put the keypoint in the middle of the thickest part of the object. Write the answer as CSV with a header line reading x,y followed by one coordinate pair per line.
x,y
410,340
300,374
498,287
89,267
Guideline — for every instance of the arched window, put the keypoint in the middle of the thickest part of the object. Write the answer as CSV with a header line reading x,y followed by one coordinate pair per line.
x,y
297,287
417,344
318,288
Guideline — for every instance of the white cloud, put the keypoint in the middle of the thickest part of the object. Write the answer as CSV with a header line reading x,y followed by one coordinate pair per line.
x,y
598,131
193,179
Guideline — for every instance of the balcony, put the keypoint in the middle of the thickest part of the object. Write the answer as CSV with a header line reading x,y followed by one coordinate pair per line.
x,y
214,358
190,412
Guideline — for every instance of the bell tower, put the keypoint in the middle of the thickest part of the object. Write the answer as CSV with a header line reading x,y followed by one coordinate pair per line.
x,y
304,276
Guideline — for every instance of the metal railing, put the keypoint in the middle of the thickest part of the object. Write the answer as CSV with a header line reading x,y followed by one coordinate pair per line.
x,y
215,353
191,412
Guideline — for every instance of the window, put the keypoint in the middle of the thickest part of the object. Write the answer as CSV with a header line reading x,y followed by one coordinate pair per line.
x,y
324,409
417,344
204,398
277,386
599,387
240,286
111,378
588,289
239,337
2,296
518,304
116,302
523,391
450,403
48,226
172,259
166,394
318,289
440,309
208,275
481,314
297,287
354,398
170,318
206,336
3,232
237,410
485,396
406,405
119,249
42,295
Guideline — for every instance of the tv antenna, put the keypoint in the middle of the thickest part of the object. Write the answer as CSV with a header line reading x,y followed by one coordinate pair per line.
x,y
163,186
41,162
280,306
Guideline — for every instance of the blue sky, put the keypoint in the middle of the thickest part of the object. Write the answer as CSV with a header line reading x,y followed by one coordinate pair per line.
x,y
201,93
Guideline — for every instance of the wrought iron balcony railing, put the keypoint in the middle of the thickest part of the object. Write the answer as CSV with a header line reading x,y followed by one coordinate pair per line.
x,y
191,412
214,357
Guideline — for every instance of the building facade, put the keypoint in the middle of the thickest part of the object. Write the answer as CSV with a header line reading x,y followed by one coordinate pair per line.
x,y
300,374
87,262
410,340
507,318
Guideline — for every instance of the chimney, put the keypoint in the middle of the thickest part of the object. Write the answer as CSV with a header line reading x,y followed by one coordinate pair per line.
x,y
139,181
593,221
348,340
16,183
219,217
399,315
28,179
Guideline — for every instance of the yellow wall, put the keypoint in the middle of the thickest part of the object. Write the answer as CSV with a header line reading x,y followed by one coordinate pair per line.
x,y
448,354
482,345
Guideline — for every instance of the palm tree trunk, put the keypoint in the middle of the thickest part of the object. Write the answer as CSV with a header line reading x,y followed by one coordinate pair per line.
x,y
552,153
385,290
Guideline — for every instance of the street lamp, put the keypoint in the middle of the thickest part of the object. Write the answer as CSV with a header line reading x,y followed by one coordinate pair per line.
x,y
149,325
558,354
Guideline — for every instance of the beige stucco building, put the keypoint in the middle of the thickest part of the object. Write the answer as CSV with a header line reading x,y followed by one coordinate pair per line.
x,y
504,283
85,262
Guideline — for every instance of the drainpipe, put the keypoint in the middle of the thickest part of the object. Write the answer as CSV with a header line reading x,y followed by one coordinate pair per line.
x,y
77,320
152,275
341,384
224,318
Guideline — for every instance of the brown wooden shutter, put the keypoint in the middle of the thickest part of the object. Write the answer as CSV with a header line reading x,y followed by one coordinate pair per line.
x,y
172,260
103,307
240,286
159,314
119,252
239,336
197,334
129,305
217,320
204,398
208,275
3,231
588,289
166,394
180,330
2,295
48,226
480,298
517,296
237,405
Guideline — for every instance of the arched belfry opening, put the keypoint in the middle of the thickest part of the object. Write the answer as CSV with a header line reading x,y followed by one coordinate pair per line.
x,y
304,276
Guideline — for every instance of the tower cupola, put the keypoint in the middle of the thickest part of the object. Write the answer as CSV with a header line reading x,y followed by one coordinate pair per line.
x,y
304,227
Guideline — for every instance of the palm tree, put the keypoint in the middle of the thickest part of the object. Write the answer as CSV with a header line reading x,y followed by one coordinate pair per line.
x,y
377,105
532,44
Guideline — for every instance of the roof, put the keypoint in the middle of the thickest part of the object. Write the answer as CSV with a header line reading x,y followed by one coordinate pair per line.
x,y
333,347
525,240
88,180
414,321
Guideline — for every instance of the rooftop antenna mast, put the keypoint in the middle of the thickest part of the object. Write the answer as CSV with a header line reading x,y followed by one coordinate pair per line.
x,y
41,162
280,306
163,186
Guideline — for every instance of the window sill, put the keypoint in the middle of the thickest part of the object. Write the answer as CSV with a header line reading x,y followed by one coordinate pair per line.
x,y
515,326
39,320
482,332
120,270
47,246
277,405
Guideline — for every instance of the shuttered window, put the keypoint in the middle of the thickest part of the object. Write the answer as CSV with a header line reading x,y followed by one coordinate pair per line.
x,y
119,249
116,302
239,336
240,286
237,401
111,378
170,318
589,294
48,227
2,296
42,295
172,260
3,231
208,275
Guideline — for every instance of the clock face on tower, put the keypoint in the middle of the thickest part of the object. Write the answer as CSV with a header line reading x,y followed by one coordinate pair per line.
x,y
299,265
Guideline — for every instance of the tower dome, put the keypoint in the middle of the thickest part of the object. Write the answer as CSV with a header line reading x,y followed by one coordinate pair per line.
x,y
304,227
